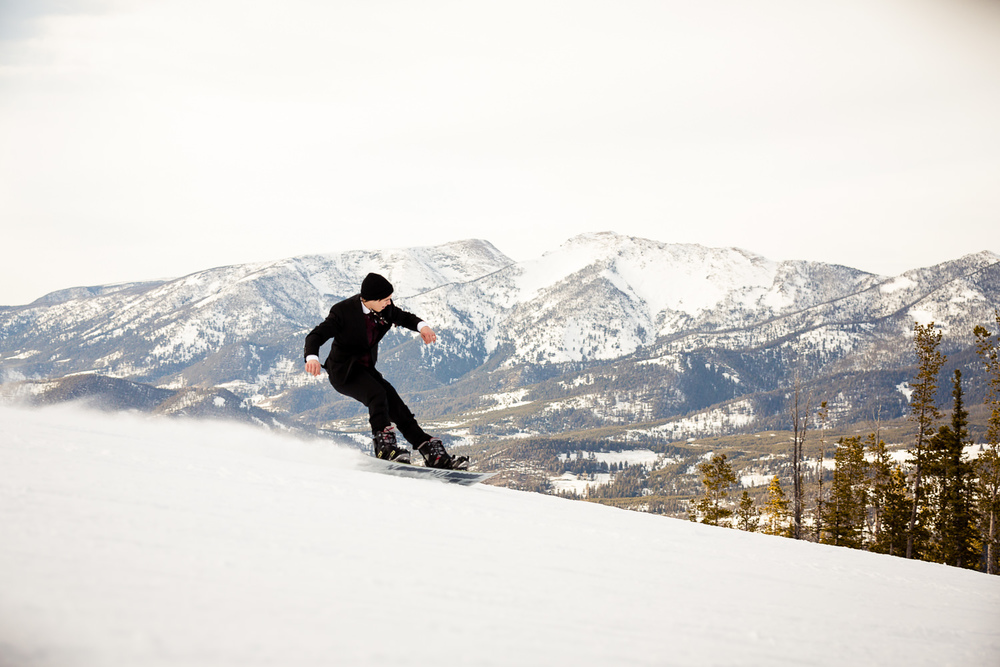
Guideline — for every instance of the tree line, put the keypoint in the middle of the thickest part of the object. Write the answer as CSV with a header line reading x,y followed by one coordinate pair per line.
x,y
940,504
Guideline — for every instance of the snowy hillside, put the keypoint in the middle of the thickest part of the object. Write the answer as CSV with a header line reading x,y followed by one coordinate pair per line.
x,y
136,541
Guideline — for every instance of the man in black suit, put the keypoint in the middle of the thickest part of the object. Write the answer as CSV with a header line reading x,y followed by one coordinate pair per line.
x,y
356,325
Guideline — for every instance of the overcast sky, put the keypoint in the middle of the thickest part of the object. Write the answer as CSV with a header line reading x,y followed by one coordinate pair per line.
x,y
142,140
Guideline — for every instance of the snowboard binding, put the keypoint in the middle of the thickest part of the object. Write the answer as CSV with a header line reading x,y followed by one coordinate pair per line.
x,y
435,456
386,448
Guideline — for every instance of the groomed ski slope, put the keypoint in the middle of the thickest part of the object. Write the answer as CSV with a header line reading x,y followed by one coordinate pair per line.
x,y
132,541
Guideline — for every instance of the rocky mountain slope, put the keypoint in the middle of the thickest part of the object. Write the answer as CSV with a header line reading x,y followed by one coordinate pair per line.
x,y
669,341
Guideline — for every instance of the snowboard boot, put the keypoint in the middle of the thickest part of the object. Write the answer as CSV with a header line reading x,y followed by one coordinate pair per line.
x,y
387,449
435,456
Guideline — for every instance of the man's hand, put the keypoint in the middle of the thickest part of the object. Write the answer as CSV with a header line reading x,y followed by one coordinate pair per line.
x,y
313,367
428,335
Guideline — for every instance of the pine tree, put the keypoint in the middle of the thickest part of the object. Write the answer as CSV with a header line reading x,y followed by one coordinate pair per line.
x,y
777,510
988,463
950,479
923,410
747,516
880,484
718,477
845,512
893,528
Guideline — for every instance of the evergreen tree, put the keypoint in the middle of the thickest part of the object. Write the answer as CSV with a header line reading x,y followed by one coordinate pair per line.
x,y
923,410
950,487
845,512
895,515
747,516
988,463
880,485
777,510
718,477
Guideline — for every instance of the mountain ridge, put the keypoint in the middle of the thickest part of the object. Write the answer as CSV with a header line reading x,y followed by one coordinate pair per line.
x,y
662,330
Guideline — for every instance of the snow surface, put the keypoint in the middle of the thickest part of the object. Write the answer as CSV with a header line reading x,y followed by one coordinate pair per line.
x,y
127,540
710,422
579,484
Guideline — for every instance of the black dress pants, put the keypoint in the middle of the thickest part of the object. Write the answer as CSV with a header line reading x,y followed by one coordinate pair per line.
x,y
383,402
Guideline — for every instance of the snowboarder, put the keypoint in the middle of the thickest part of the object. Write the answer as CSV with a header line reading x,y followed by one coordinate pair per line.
x,y
356,325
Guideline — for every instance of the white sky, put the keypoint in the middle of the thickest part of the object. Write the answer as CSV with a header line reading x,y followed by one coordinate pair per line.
x,y
141,140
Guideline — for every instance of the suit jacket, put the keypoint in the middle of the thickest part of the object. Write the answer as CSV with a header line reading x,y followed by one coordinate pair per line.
x,y
348,327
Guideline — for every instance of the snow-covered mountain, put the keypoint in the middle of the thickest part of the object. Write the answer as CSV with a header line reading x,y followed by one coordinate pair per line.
x,y
605,296
605,329
227,324
133,541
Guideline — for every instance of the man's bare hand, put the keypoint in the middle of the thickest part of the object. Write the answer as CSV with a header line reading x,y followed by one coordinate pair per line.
x,y
428,335
313,367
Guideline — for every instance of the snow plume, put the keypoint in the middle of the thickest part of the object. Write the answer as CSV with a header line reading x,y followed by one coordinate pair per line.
x,y
127,540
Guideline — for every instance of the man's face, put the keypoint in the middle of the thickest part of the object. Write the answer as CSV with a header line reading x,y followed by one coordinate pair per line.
x,y
379,306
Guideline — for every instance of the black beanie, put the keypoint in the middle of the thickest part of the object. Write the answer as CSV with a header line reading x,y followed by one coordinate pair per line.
x,y
375,288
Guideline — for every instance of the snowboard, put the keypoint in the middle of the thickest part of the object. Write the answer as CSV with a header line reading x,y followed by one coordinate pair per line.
x,y
463,477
